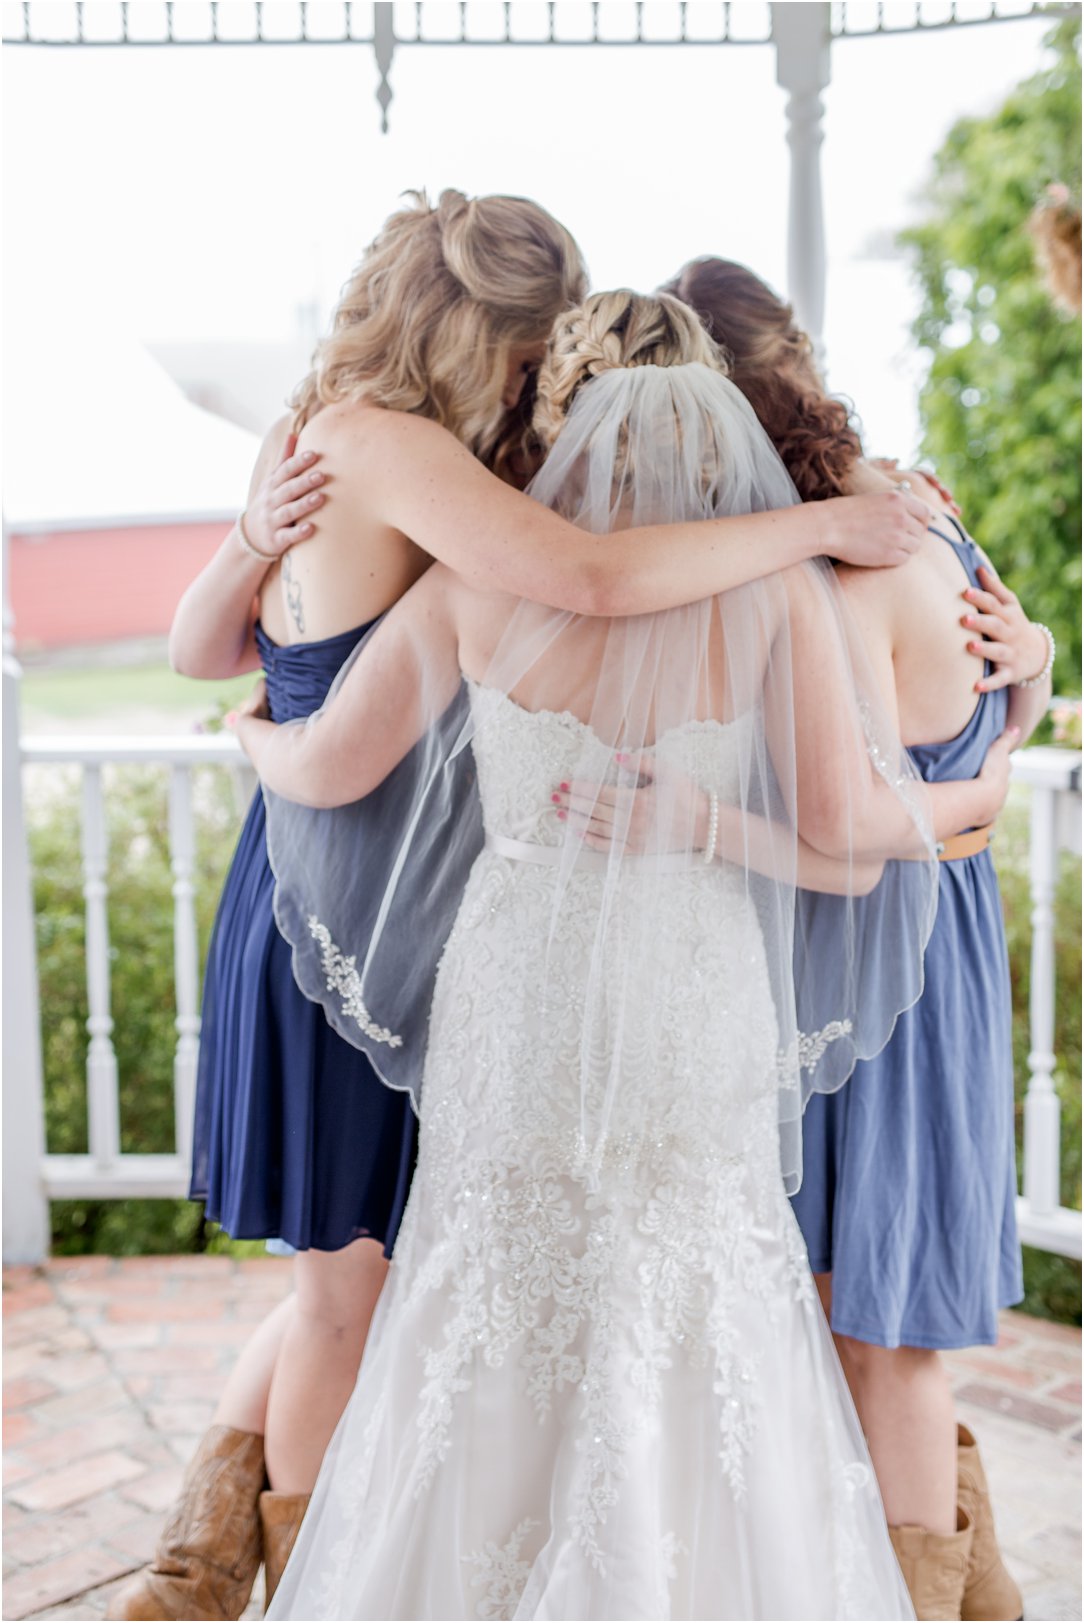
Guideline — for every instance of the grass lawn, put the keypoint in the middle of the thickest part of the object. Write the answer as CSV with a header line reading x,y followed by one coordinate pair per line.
x,y
123,698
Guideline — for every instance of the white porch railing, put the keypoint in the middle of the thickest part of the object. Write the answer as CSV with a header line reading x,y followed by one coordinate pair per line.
x,y
33,1177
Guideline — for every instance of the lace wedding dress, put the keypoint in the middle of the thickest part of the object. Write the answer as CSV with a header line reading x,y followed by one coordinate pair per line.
x,y
605,1390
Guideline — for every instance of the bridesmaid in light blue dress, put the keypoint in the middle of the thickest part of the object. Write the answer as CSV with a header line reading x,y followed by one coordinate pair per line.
x,y
908,1199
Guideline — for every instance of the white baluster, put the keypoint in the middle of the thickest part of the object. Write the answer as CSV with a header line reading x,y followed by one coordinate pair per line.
x,y
26,1211
103,1105
803,44
182,851
1042,1108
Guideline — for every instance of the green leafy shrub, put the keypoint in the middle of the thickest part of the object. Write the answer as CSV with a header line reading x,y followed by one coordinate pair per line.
x,y
141,971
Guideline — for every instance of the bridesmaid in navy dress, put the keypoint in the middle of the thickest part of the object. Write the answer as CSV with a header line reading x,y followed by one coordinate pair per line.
x,y
295,1138
908,1197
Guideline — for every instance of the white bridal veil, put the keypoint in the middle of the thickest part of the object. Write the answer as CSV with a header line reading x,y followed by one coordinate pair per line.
x,y
744,728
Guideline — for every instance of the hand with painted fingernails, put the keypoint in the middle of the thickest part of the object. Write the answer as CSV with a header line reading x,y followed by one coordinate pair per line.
x,y
282,512
913,478
1015,646
626,815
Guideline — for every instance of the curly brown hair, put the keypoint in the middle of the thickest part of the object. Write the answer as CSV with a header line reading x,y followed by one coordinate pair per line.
x,y
772,363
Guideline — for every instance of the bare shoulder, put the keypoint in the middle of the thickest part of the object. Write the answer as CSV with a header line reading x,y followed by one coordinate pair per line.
x,y
270,452
360,429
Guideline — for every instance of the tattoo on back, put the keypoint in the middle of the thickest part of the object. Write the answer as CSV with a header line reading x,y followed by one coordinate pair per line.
x,y
292,589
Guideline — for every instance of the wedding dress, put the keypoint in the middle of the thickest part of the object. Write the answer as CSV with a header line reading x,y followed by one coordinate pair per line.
x,y
604,1393
599,1383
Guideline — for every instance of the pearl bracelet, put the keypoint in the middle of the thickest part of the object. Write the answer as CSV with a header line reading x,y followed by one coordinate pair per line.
x,y
253,552
713,828
1051,650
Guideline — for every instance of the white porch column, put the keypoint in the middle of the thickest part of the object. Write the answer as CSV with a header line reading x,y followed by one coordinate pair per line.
x,y
801,30
384,51
26,1211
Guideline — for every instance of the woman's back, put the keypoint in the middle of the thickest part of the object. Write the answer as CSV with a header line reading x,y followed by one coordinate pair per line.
x,y
355,566
911,619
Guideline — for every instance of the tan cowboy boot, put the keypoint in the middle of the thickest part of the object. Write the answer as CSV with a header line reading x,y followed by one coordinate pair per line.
x,y
281,1515
990,1593
209,1551
934,1567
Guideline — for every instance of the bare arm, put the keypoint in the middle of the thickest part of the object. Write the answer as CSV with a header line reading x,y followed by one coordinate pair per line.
x,y
845,808
410,474
955,804
406,675
212,631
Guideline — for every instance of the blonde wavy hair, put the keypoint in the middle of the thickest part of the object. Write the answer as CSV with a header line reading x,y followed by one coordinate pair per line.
x,y
427,322
616,330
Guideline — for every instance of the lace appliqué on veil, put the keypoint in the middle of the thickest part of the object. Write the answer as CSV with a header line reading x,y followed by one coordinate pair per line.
x,y
342,977
807,1048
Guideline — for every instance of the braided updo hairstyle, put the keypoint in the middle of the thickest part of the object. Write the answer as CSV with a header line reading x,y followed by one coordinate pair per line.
x,y
772,363
429,317
616,330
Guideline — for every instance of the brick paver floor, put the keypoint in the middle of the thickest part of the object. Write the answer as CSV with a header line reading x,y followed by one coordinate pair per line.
x,y
112,1367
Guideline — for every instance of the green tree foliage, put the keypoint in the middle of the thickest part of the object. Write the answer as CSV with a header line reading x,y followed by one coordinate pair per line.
x,y
1001,407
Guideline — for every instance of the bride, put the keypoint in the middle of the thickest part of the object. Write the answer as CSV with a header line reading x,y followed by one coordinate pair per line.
x,y
599,1383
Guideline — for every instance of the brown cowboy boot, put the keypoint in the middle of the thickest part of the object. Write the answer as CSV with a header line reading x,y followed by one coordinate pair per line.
x,y
990,1592
209,1551
281,1515
934,1567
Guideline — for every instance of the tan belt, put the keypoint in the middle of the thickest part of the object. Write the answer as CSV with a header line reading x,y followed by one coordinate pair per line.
x,y
965,845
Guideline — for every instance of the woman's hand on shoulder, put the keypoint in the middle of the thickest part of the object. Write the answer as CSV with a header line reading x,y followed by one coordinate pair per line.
x,y
282,505
878,530
923,481
1012,643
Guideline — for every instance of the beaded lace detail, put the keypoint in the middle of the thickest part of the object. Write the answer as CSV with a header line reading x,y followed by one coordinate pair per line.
x,y
342,977
586,1282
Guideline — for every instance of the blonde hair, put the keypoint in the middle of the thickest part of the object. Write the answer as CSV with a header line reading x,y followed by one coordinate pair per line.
x,y
1055,225
429,317
612,330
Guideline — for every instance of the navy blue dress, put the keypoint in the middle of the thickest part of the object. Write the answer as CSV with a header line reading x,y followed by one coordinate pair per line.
x,y
908,1194
296,1138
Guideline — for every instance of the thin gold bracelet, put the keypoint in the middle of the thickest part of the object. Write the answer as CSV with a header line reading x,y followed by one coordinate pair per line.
x,y
253,552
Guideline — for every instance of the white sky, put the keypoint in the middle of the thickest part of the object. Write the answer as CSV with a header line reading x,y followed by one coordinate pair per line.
x,y
183,195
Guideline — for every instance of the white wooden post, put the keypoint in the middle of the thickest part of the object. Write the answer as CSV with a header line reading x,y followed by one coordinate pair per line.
x,y
1042,1107
182,849
26,1210
103,1104
384,51
802,33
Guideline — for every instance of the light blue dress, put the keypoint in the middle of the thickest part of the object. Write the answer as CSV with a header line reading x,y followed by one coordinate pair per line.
x,y
909,1184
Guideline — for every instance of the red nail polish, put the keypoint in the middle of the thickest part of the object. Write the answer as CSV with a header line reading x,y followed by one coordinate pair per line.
x,y
565,787
562,817
556,799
